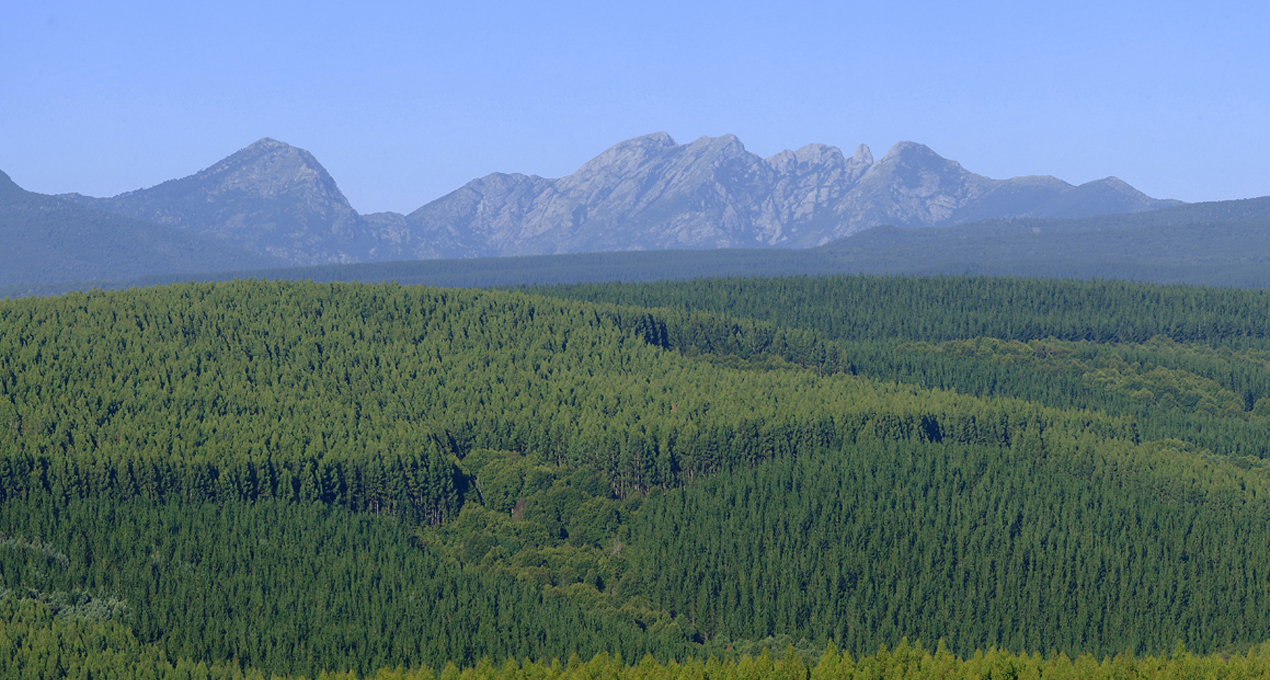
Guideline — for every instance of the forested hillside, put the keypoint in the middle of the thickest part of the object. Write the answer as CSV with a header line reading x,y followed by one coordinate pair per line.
x,y
1186,362
297,477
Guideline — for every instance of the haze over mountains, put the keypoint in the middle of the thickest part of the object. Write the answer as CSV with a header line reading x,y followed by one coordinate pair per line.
x,y
649,193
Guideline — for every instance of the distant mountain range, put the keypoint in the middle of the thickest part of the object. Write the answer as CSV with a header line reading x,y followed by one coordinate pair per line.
x,y
277,202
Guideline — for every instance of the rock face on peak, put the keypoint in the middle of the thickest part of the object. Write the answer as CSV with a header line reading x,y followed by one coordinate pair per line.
x,y
269,197
652,193
863,156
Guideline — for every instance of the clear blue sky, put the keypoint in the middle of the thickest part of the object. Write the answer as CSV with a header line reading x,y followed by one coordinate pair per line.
x,y
405,101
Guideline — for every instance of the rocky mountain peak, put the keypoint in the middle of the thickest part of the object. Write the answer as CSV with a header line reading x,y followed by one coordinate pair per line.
x,y
628,155
714,159
914,168
654,139
1113,182
270,168
639,146
806,158
269,197
862,155
727,144
913,152
265,144
819,154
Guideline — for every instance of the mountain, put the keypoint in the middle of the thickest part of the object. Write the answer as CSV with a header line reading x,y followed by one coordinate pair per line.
x,y
49,239
647,193
271,198
652,193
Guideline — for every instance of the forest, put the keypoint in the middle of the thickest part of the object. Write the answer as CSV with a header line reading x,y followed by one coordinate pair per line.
x,y
840,476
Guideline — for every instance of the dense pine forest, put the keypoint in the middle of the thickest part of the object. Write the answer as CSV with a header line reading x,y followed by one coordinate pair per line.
x,y
862,476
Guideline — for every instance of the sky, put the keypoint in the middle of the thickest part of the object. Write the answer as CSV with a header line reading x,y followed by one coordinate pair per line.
x,y
403,102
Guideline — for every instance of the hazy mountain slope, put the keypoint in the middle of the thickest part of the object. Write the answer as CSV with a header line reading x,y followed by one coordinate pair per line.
x,y
1210,253
49,239
1099,197
1211,211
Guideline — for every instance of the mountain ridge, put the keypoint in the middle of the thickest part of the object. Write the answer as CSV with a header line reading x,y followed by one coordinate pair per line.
x,y
644,193
652,193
